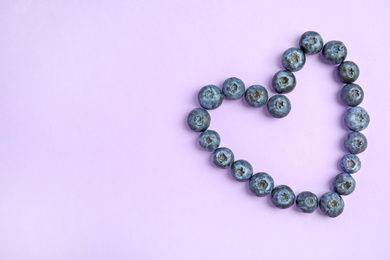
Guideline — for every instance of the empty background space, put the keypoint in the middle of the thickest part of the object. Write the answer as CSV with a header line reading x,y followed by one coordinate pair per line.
x,y
96,159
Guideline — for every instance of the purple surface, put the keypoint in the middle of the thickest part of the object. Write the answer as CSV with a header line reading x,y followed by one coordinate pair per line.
x,y
96,161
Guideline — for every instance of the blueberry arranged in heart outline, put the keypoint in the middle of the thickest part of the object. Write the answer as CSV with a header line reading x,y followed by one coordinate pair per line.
x,y
279,106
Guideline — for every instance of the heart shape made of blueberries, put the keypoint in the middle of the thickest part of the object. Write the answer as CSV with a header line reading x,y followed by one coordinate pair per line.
x,y
262,184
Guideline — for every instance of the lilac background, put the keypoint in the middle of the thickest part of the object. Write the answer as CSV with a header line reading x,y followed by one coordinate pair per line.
x,y
96,161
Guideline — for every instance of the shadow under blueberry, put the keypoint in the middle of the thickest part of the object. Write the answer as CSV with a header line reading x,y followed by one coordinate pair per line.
x,y
248,191
338,98
187,128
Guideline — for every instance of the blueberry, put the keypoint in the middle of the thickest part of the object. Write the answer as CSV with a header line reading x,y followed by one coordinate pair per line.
x,y
334,52
282,196
356,118
307,202
355,142
198,120
311,42
352,95
331,204
210,97
293,59
233,88
279,106
350,163
344,184
241,170
256,96
284,82
209,140
261,184
348,72
223,157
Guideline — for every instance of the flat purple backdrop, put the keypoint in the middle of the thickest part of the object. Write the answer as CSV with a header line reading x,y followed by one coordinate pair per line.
x,y
96,159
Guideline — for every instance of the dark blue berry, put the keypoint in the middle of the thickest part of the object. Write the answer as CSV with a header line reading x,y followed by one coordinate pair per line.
x,y
348,72
198,120
356,118
261,184
233,88
223,157
209,140
282,196
355,142
344,184
331,204
256,96
210,97
307,202
352,95
284,82
279,106
241,170
350,163
311,42
334,52
293,59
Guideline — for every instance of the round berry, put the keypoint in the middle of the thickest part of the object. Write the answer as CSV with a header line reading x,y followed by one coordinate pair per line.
x,y
293,59
311,42
331,204
350,163
334,52
209,140
256,96
261,184
210,97
307,202
198,120
223,157
348,72
282,196
356,118
352,95
241,170
355,142
344,184
284,82
279,106
233,88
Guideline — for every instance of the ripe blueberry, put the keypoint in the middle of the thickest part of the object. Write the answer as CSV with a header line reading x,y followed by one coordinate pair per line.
x,y
293,59
233,88
282,196
344,184
348,72
210,97
350,163
261,184
311,42
331,204
279,106
256,96
334,52
209,140
352,95
283,82
241,170
223,157
356,118
355,142
198,120
307,202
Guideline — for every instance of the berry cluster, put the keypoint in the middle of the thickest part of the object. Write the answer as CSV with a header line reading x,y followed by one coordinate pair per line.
x,y
261,184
